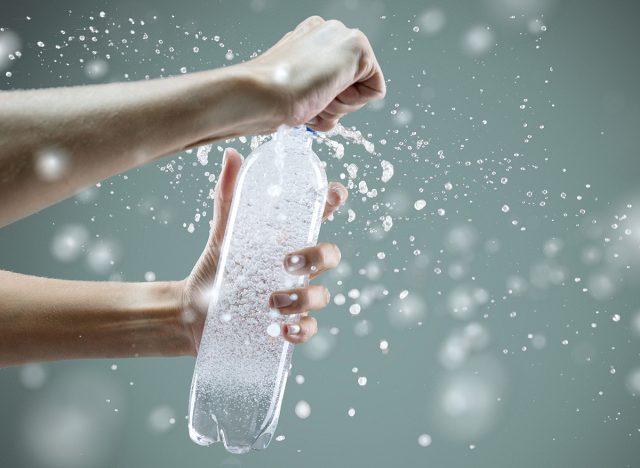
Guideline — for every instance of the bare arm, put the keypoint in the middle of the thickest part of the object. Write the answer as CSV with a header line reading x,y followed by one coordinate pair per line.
x,y
94,132
45,319
315,74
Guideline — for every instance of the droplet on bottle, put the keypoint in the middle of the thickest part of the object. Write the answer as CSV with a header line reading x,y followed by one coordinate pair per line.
x,y
273,330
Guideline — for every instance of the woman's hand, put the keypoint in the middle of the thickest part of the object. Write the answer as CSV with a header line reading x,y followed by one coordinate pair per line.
x,y
319,72
324,256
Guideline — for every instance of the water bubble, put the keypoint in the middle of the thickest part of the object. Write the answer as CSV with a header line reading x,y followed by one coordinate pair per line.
x,y
299,379
406,313
387,223
419,204
463,301
402,117
362,381
362,328
465,405
203,154
96,69
552,247
601,286
635,324
505,208
441,212
69,242
102,256
448,186
351,412
9,45
633,382
387,171
432,21
477,41
51,164
68,425
461,239
320,346
159,419
384,346
33,376
273,330
516,285
303,409
229,55
149,276
424,440
539,341
354,309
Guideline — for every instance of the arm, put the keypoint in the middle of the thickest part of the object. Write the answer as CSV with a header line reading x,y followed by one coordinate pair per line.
x,y
315,74
98,131
45,319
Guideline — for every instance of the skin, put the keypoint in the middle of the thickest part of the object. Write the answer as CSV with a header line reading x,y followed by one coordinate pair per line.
x,y
314,75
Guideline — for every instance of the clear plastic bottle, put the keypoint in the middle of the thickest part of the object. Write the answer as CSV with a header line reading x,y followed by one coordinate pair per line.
x,y
243,361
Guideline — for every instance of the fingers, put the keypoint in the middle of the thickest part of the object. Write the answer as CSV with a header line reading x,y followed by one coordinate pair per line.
x,y
231,162
313,260
321,123
299,300
301,331
337,195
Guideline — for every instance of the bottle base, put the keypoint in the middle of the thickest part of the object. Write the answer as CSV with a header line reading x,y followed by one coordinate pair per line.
x,y
261,443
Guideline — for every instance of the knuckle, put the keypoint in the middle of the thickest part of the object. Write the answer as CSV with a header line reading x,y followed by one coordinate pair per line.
x,y
315,19
335,23
359,38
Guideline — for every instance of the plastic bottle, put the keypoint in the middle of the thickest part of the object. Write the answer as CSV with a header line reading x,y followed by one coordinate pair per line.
x,y
243,361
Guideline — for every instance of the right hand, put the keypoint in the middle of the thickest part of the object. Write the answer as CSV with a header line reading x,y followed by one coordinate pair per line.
x,y
319,72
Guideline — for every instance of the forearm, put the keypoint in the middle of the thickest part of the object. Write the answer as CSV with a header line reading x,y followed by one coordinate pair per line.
x,y
103,130
45,319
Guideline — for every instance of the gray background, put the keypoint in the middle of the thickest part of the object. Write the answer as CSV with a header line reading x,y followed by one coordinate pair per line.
x,y
551,404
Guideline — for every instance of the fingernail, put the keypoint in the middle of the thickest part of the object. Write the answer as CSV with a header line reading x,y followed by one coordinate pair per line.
x,y
333,197
294,262
282,300
292,329
224,157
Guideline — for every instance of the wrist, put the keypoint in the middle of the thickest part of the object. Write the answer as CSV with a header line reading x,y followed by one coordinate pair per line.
x,y
232,101
159,307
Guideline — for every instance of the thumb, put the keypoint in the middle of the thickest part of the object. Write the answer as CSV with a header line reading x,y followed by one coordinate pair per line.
x,y
231,162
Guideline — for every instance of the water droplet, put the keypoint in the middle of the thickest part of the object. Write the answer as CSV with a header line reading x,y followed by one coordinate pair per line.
x,y
424,440
303,409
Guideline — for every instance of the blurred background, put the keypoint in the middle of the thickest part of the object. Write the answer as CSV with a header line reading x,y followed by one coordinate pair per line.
x,y
486,310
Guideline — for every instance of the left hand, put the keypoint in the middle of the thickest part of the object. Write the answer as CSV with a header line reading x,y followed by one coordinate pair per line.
x,y
323,256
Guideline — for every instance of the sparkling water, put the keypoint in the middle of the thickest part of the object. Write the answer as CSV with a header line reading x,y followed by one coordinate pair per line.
x,y
243,360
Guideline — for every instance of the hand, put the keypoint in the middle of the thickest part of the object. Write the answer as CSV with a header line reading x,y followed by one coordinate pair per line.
x,y
324,256
321,71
